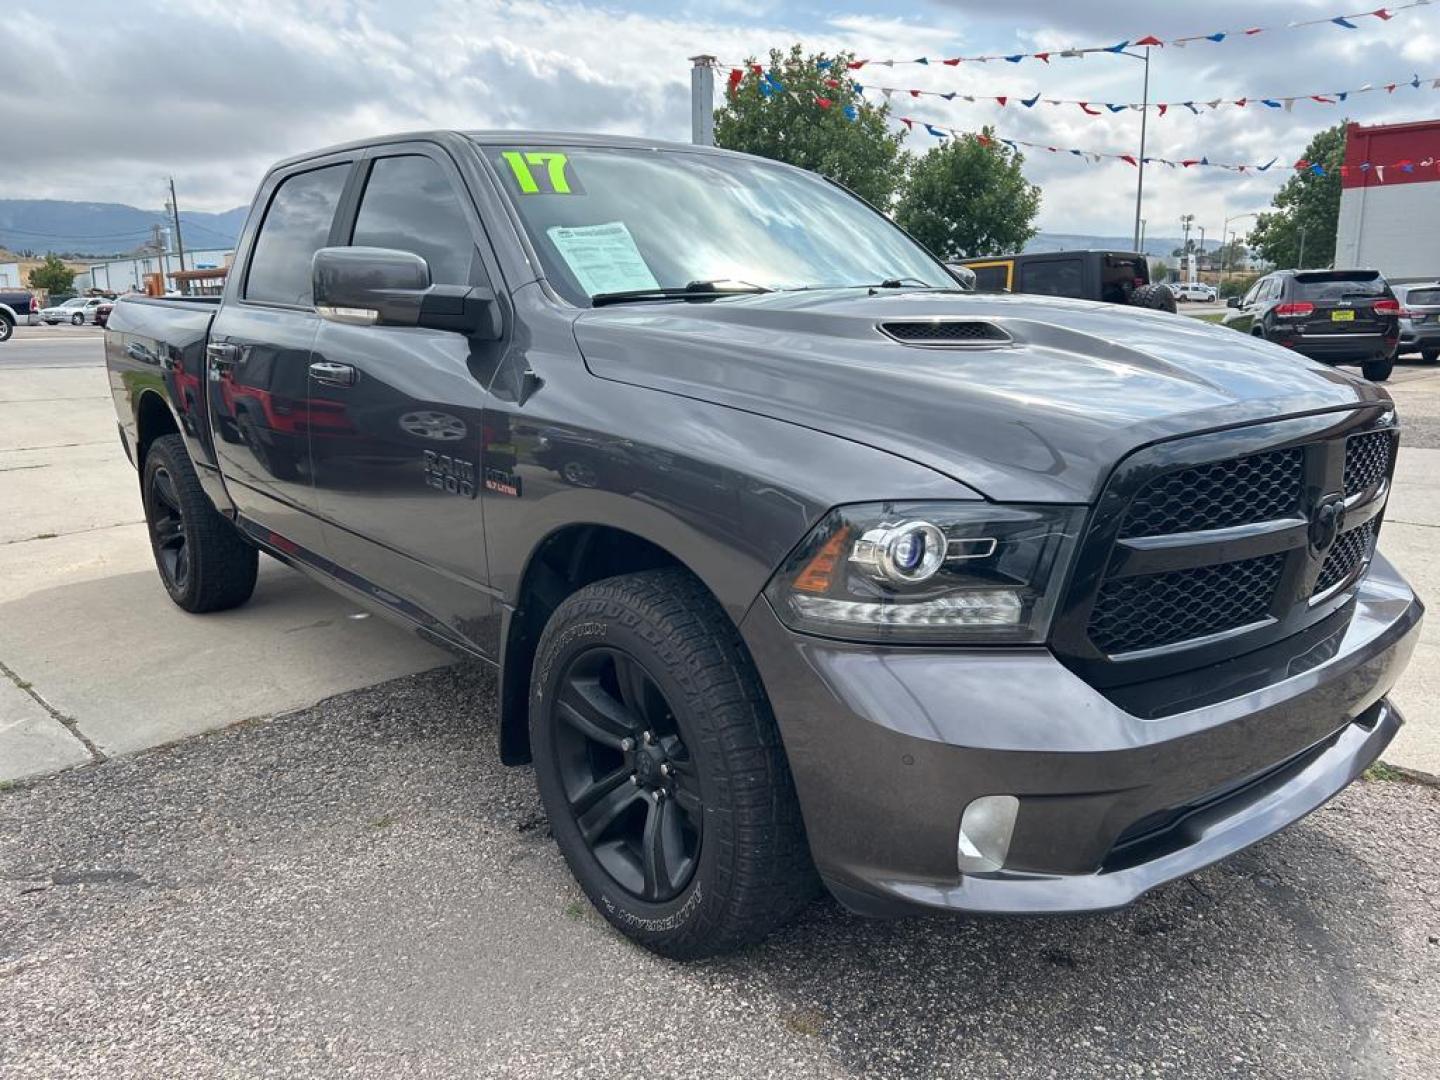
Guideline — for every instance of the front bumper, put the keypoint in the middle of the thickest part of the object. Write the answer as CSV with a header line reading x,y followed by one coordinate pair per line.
x,y
888,747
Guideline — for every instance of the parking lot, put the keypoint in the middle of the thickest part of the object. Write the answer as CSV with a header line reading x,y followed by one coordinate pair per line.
x,y
338,878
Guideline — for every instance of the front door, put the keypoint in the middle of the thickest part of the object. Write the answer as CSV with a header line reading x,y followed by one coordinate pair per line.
x,y
259,354
395,415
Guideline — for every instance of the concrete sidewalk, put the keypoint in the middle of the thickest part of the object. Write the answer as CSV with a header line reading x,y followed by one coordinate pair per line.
x,y
94,658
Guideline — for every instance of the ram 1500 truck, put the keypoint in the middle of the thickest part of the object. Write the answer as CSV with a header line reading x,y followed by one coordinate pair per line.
x,y
797,563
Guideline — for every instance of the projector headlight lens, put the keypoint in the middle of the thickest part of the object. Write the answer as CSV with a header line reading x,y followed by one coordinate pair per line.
x,y
929,572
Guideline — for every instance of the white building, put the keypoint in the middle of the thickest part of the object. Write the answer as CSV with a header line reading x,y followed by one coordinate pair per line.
x,y
10,276
125,275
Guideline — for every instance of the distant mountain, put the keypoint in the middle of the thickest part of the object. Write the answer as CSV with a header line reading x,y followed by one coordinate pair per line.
x,y
86,228
1157,246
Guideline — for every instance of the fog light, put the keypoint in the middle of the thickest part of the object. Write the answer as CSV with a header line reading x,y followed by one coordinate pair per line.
x,y
985,831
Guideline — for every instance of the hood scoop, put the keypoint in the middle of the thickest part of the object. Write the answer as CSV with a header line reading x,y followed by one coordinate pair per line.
x,y
945,333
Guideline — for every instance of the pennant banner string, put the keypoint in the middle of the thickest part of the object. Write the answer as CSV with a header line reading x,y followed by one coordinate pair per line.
x,y
1091,107
1351,21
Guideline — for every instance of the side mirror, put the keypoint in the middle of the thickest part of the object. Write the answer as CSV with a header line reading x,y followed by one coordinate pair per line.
x,y
962,274
365,286
1233,301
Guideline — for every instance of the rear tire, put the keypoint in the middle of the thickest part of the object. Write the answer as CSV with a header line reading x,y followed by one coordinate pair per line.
x,y
204,562
708,853
6,328
1430,355
77,320
1156,297
1379,369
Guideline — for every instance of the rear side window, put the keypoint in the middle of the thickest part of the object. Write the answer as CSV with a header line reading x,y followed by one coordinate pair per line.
x,y
991,278
411,205
1423,297
1338,285
1059,277
296,225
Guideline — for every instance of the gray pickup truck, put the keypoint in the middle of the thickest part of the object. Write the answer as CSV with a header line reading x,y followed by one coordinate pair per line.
x,y
797,563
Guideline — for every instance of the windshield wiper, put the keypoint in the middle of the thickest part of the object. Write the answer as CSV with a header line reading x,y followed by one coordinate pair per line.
x,y
695,290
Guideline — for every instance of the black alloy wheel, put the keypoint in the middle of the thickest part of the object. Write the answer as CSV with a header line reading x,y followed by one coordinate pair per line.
x,y
167,530
630,784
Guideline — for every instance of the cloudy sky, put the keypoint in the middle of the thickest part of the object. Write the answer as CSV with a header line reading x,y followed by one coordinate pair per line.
x,y
103,106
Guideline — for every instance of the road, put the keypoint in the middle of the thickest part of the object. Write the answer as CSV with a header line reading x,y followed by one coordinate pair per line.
x,y
361,890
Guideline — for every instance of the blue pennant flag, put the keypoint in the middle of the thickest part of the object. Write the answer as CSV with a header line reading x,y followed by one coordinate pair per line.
x,y
1204,161
1016,58
1262,168
1116,108
950,96
1116,48
851,112
1271,102
1029,103
1415,82
922,60
1317,169
1217,38
1011,144
858,88
1341,95
1340,20
1191,106
933,130
1078,153
824,65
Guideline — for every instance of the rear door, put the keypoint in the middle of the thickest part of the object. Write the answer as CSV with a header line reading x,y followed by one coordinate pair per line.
x,y
396,411
259,352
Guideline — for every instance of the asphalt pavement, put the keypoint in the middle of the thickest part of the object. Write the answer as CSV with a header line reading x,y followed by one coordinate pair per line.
x,y
361,890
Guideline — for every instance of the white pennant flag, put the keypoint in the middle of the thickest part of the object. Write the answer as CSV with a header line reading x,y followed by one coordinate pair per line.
x,y
1289,104
887,91
1214,104
1380,173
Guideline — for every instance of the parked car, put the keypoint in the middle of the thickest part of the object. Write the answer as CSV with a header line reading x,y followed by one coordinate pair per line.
x,y
102,312
1194,290
1419,320
17,308
1114,277
952,601
1334,316
76,311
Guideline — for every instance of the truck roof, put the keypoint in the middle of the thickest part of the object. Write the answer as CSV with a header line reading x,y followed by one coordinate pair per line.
x,y
511,137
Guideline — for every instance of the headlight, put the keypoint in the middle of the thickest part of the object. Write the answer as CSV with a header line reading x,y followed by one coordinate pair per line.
x,y
929,572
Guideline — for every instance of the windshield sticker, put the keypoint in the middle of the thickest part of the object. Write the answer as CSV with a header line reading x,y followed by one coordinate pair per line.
x,y
603,258
542,172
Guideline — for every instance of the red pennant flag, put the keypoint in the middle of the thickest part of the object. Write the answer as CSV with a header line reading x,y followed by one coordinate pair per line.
x,y
1043,56
832,82
1148,39
1322,99
1301,164
1254,30
909,124
855,65
757,69
1187,162
952,61
1129,159
916,93
823,102
1382,13
983,139
737,76
1085,108
1162,109
1390,87
1002,100
1242,102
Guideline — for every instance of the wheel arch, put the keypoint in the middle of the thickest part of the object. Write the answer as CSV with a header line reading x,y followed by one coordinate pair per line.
x,y
564,561
153,418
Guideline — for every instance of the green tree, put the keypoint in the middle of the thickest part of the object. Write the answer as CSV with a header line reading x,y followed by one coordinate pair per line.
x,y
968,197
52,275
1308,204
805,110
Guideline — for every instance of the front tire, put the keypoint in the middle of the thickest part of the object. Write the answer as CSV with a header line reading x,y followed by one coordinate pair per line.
x,y
661,770
204,562
1379,369
1430,355
6,328
77,320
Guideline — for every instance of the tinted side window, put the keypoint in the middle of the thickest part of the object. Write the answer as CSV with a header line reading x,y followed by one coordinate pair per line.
x,y
410,205
296,226
990,278
1060,277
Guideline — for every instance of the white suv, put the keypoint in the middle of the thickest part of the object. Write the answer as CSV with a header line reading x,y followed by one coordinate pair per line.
x,y
1194,290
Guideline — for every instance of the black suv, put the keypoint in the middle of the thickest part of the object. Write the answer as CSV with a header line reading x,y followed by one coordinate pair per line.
x,y
1334,316
1113,277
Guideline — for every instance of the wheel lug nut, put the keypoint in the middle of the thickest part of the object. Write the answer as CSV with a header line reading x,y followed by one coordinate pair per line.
x,y
648,738
664,769
635,779
627,745
659,794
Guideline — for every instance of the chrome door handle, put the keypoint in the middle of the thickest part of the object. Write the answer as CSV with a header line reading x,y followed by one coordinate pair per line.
x,y
222,353
332,374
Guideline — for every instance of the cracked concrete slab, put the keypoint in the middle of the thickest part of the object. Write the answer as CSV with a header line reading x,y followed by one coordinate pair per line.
x,y
32,741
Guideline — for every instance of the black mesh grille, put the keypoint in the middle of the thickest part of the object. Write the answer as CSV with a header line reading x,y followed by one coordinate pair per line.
x,y
1240,491
944,332
1367,460
1162,609
1350,550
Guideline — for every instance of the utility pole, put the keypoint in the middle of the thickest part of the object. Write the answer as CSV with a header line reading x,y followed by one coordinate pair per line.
x,y
1300,262
702,100
1144,116
175,213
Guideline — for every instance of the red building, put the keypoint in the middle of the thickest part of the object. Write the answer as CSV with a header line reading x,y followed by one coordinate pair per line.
x,y
1390,215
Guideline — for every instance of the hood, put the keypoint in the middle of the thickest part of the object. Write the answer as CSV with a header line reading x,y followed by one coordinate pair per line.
x,y
1042,418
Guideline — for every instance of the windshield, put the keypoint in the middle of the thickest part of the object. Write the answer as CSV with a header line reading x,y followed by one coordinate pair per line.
x,y
610,220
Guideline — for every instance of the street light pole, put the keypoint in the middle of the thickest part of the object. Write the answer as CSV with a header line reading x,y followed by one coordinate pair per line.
x,y
1140,169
